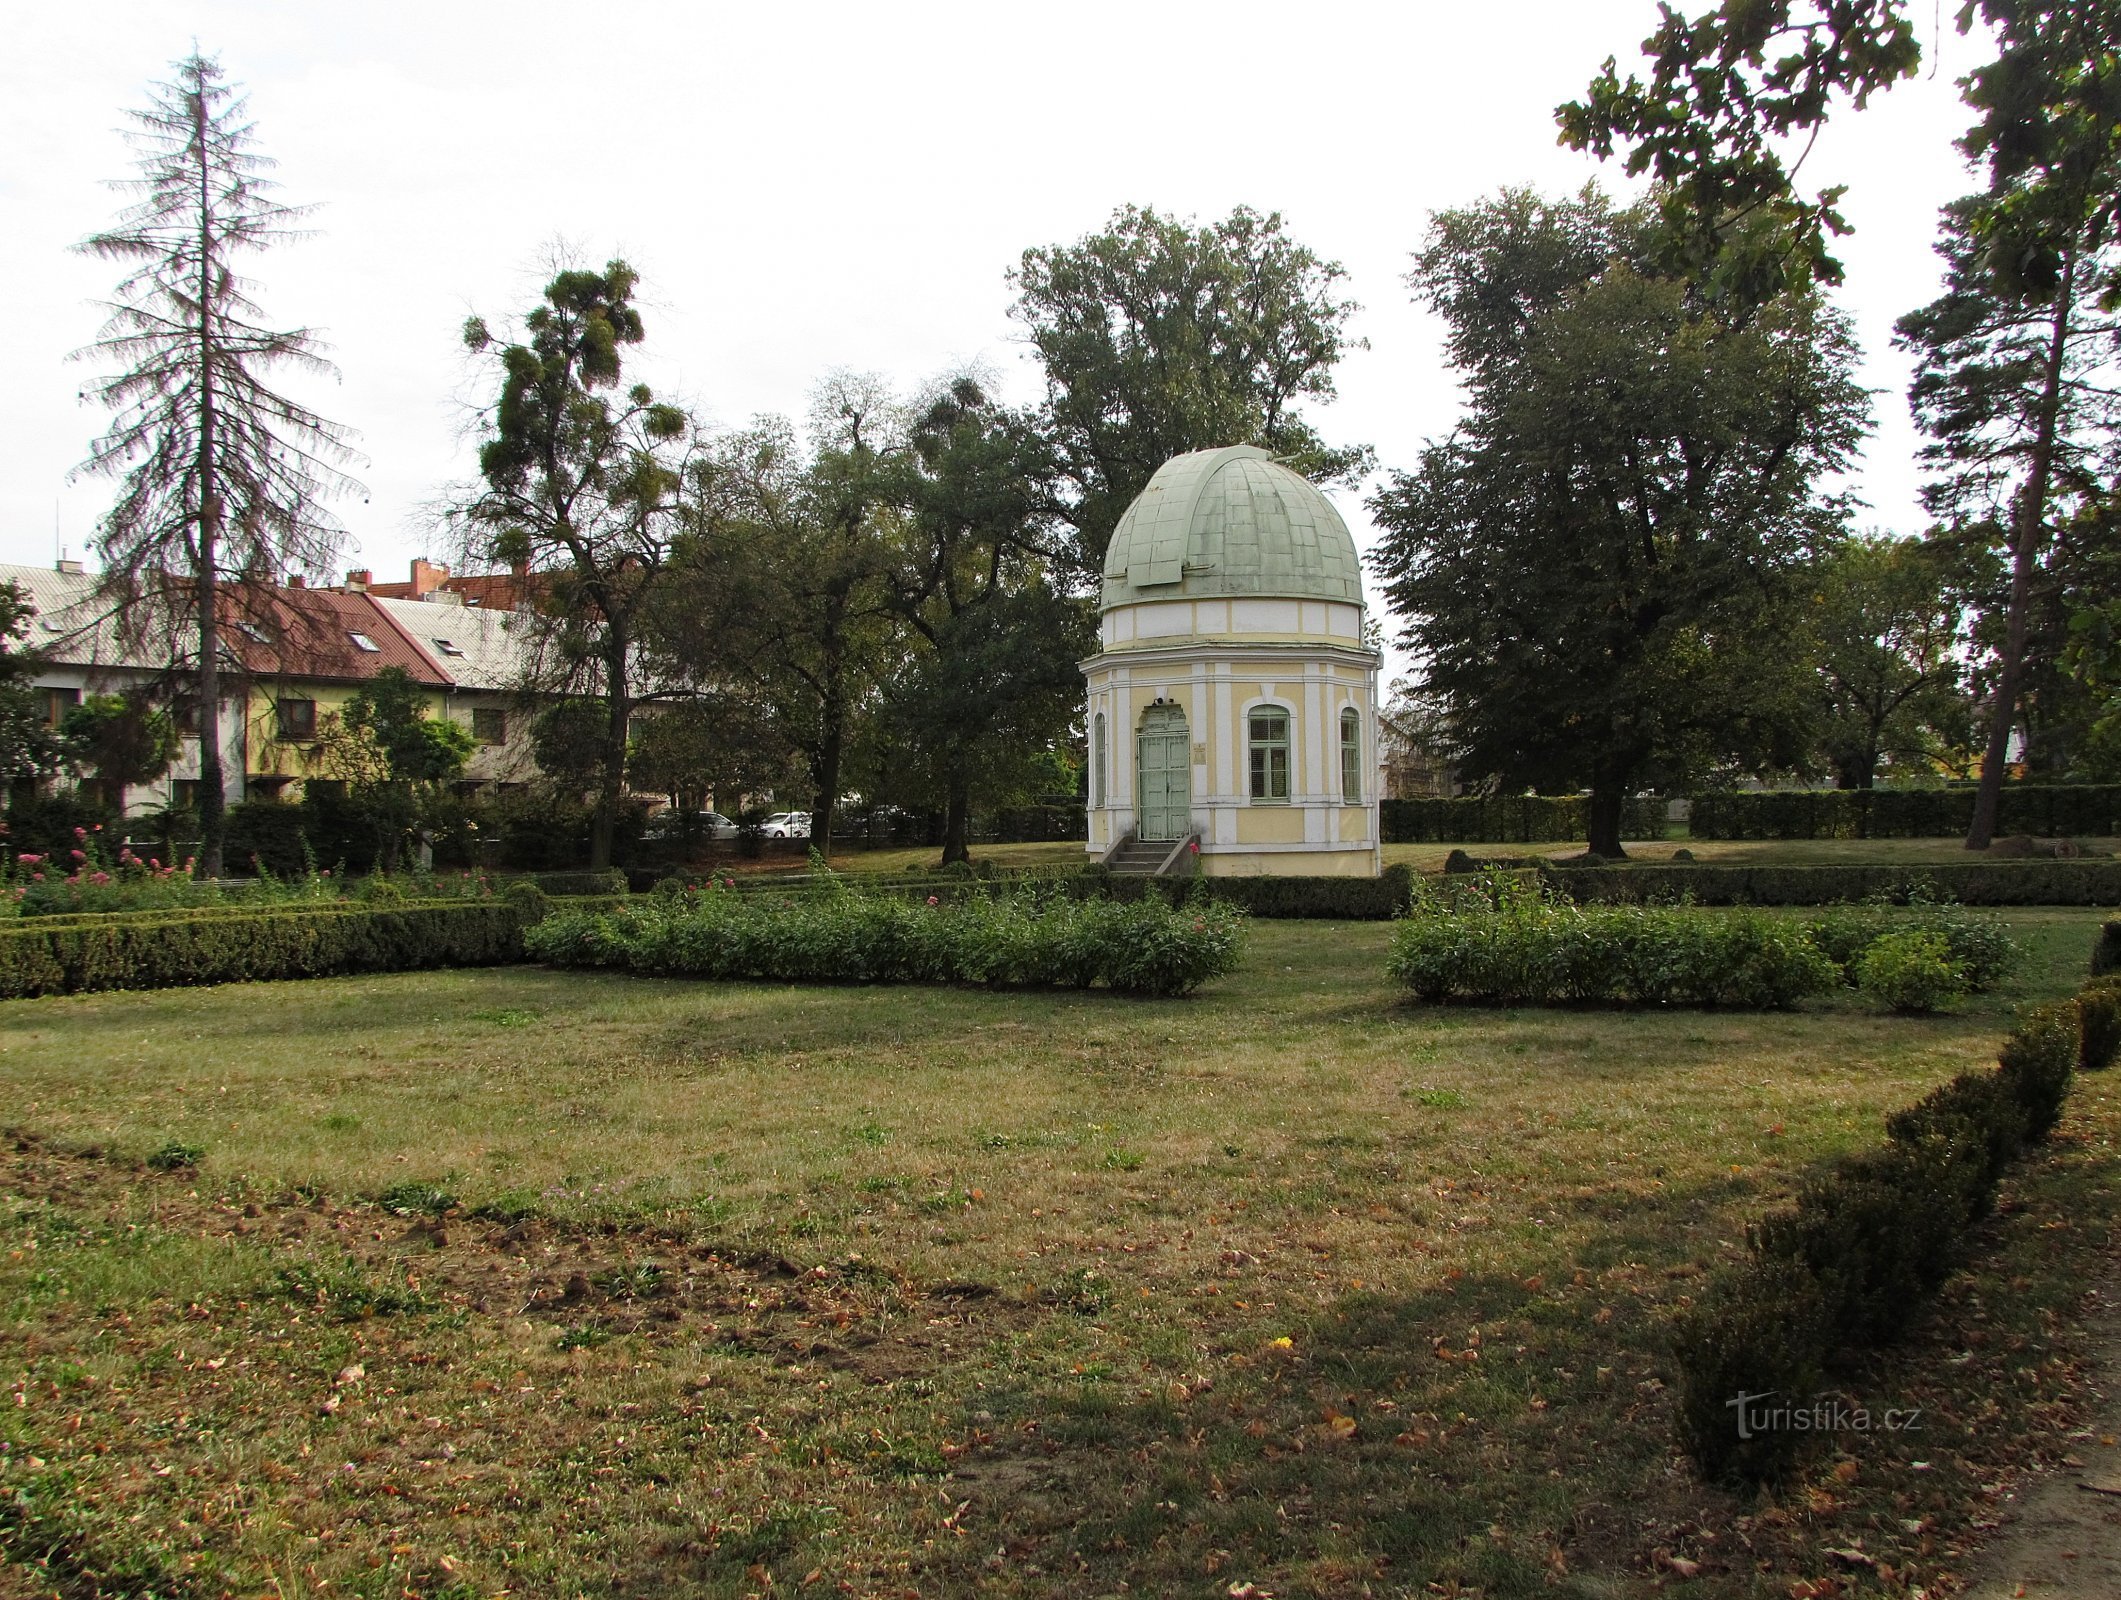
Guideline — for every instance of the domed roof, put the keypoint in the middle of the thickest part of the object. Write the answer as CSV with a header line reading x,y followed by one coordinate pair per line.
x,y
1232,521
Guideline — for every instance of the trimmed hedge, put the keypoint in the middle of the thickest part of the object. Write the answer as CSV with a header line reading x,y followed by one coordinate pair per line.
x,y
1509,819
1977,944
2049,810
844,937
2106,954
1377,899
1850,1264
230,945
1974,883
1532,952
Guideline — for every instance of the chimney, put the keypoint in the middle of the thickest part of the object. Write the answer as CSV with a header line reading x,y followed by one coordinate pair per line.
x,y
295,580
427,576
358,580
71,567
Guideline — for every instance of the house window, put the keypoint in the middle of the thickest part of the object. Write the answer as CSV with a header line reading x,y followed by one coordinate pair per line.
x,y
489,725
1270,754
449,647
1351,757
1097,760
363,643
298,719
57,703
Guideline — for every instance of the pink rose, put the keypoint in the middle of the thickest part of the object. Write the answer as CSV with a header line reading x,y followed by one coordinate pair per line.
x,y
933,901
81,833
28,860
78,856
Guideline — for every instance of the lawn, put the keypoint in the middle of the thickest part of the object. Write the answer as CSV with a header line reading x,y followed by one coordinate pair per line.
x,y
567,1283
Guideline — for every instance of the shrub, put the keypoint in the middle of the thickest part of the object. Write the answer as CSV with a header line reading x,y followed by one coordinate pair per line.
x,y
1911,971
238,945
2037,1063
1978,944
1852,1262
530,901
2099,1026
268,834
838,936
2106,954
1524,949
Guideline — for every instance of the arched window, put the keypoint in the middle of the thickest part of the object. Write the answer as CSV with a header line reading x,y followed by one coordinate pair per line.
x,y
1097,761
1351,757
1269,729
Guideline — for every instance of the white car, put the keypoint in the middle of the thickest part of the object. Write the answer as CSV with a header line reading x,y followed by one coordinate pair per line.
x,y
786,825
703,825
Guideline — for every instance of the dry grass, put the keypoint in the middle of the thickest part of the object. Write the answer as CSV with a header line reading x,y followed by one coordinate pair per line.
x,y
953,1292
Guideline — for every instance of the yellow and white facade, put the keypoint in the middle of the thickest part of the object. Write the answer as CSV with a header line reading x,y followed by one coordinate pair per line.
x,y
1233,699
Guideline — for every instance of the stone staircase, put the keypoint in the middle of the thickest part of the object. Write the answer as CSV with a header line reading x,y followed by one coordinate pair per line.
x,y
1141,858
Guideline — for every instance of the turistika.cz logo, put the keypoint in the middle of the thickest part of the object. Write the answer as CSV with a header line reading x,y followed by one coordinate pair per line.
x,y
1760,1413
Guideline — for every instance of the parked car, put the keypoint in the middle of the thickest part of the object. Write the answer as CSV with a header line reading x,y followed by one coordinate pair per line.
x,y
700,825
786,825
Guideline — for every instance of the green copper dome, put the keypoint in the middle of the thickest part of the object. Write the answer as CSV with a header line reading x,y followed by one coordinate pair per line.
x,y
1230,522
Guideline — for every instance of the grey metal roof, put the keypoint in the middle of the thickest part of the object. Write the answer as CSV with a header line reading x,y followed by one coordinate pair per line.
x,y
74,626
478,648
1232,521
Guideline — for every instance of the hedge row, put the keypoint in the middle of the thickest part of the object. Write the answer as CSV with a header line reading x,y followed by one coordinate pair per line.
x,y
2055,810
1526,951
1377,899
155,951
1974,883
1848,1266
2106,954
1146,948
1508,819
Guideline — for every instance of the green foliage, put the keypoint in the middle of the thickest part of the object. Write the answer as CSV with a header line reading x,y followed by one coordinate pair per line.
x,y
2106,953
531,903
1509,819
581,482
1979,948
175,1157
1603,568
53,955
267,835
1159,336
123,739
1887,618
1506,943
1725,91
27,748
1852,1263
844,936
1911,972
2099,1025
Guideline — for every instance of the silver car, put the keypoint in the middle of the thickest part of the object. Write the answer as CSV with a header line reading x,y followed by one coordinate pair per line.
x,y
786,825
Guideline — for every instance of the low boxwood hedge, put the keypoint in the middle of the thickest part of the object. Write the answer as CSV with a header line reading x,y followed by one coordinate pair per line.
x,y
1975,883
1053,941
1852,1262
2106,954
237,945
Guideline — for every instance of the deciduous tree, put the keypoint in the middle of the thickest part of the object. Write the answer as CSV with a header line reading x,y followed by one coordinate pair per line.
x,y
1888,622
1597,573
1160,336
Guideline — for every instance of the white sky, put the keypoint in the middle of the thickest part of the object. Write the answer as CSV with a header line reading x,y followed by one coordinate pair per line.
x,y
805,187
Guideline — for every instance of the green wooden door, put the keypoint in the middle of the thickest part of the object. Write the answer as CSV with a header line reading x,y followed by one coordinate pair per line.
x,y
1165,773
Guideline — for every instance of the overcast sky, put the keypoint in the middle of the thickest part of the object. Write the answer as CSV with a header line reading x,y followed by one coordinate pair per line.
x,y
805,187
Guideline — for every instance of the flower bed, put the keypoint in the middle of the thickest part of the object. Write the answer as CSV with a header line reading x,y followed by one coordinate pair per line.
x,y
841,936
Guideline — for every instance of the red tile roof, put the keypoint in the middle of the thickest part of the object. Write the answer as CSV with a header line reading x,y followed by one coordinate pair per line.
x,y
310,633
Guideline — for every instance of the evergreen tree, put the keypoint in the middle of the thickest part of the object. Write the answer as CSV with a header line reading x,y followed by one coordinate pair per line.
x,y
221,478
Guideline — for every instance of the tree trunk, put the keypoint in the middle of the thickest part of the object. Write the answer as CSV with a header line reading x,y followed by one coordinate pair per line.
x,y
2029,526
1608,799
827,773
213,797
612,780
957,815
